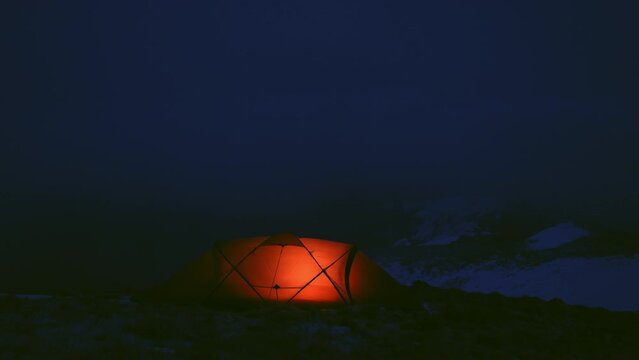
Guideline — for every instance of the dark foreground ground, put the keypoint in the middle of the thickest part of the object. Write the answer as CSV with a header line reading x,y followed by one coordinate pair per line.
x,y
449,324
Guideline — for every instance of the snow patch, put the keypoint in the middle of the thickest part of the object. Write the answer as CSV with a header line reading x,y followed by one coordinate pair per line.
x,y
444,240
446,220
402,242
405,275
607,282
556,236
28,296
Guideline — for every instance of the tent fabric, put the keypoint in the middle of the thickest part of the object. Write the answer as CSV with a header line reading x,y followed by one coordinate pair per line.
x,y
282,268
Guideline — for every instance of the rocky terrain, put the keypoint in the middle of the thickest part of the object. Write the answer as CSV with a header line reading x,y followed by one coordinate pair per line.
x,y
442,324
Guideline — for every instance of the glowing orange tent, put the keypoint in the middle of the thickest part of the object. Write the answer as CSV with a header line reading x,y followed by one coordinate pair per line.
x,y
281,268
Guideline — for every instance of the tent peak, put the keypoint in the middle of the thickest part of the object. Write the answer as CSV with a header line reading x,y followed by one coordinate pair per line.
x,y
282,240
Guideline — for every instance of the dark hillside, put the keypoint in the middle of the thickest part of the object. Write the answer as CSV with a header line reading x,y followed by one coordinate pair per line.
x,y
449,324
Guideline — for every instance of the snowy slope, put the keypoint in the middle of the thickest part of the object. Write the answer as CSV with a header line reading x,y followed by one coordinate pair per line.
x,y
559,260
556,236
608,282
444,221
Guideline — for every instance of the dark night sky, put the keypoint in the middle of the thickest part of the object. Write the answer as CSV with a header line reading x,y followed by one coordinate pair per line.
x,y
268,109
